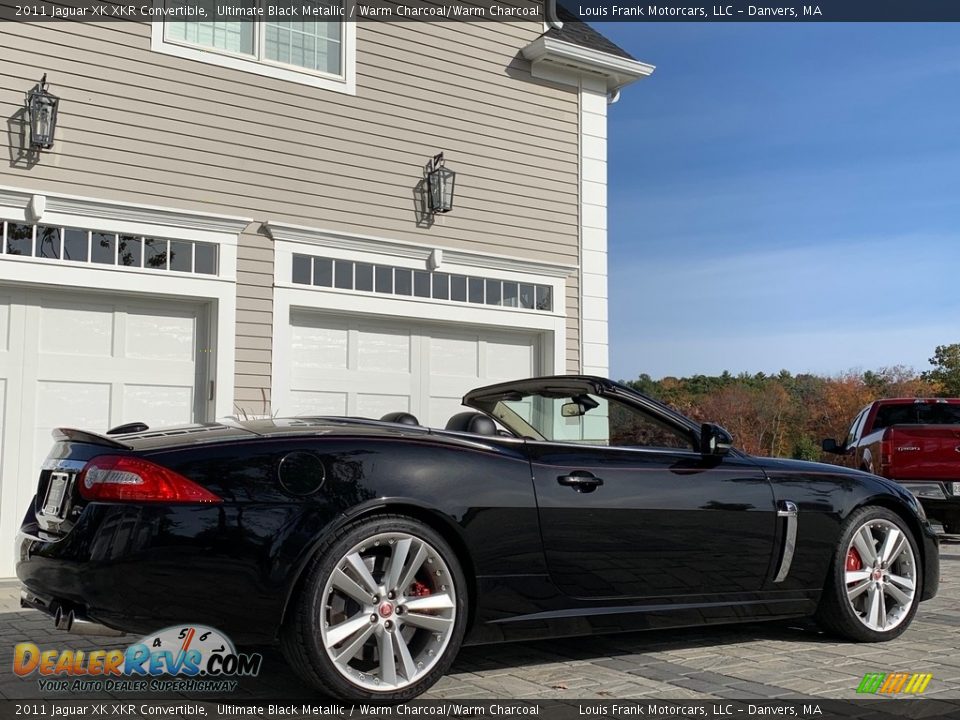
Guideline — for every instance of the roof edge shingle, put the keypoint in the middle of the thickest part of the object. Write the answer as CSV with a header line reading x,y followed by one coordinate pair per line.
x,y
576,32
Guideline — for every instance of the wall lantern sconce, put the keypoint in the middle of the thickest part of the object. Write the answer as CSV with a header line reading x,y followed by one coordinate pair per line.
x,y
440,181
42,109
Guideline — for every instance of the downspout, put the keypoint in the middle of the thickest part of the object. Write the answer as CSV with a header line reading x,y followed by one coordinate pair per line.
x,y
550,15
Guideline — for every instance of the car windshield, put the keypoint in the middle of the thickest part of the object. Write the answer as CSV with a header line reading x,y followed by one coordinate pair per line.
x,y
917,414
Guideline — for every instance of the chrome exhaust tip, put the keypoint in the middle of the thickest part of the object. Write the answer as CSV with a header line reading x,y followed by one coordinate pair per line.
x,y
61,620
80,625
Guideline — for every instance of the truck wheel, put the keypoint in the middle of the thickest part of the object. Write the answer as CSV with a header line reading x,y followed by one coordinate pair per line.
x,y
381,614
873,588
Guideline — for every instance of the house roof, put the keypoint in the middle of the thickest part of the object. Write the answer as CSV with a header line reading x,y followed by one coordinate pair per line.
x,y
577,32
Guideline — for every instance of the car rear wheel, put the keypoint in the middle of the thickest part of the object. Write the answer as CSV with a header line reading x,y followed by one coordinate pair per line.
x,y
381,614
874,585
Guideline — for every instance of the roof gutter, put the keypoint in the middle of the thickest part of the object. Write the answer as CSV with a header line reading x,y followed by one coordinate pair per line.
x,y
617,71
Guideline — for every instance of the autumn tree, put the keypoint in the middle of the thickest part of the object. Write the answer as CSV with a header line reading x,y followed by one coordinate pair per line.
x,y
788,415
735,408
946,370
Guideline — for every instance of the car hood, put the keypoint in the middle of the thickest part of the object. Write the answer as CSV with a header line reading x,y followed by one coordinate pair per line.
x,y
805,466
775,466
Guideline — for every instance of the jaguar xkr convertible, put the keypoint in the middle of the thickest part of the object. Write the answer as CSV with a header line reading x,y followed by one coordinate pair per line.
x,y
371,550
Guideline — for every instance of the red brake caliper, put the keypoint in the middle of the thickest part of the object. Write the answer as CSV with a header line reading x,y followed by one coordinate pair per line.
x,y
854,561
418,589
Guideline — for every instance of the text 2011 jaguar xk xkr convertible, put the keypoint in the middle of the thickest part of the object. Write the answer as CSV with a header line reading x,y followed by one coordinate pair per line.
x,y
372,550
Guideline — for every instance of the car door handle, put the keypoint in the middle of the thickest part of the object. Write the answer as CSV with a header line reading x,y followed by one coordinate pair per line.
x,y
581,481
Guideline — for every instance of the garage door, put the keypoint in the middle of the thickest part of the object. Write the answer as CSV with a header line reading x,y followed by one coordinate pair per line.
x,y
89,361
367,368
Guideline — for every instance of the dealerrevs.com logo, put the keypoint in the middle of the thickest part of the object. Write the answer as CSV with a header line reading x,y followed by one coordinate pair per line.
x,y
179,658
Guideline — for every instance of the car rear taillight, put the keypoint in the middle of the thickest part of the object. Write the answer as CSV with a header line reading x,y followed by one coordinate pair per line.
x,y
886,449
121,478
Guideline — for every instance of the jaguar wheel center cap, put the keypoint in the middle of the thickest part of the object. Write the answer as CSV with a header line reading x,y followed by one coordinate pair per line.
x,y
877,574
385,609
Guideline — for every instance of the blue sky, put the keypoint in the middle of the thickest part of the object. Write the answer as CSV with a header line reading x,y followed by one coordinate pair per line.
x,y
784,196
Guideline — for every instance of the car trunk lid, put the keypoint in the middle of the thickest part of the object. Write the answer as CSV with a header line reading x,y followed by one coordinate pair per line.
x,y
58,502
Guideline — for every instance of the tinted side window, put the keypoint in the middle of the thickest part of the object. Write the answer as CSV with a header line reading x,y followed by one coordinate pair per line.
x,y
630,427
855,428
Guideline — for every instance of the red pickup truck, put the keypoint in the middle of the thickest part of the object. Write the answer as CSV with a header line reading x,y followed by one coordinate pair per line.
x,y
915,442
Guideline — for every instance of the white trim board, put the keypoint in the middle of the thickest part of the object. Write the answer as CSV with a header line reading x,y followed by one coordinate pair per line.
x,y
616,71
388,248
19,199
594,335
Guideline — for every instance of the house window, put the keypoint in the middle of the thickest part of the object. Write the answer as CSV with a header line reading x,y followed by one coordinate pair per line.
x,y
315,49
363,277
82,245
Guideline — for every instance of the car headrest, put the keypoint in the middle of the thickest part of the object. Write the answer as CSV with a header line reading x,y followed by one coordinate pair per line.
x,y
472,422
403,418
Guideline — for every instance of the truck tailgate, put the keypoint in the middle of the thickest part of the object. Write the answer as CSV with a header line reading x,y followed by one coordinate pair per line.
x,y
924,452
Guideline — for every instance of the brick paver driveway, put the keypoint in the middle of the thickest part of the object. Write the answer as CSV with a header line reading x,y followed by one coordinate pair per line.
x,y
753,661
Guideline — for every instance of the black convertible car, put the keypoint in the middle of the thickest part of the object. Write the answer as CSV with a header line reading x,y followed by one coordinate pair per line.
x,y
372,550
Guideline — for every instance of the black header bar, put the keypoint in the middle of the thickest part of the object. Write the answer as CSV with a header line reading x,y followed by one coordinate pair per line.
x,y
480,10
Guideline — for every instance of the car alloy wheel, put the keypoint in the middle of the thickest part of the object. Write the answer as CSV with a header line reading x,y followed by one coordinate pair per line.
x,y
880,575
389,609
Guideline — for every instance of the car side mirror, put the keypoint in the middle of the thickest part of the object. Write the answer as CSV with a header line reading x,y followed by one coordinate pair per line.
x,y
830,446
714,440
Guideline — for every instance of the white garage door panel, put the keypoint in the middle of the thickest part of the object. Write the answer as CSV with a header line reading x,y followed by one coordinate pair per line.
x,y
368,368
460,361
163,404
307,402
372,362
383,352
89,361
376,406
70,404
455,356
318,348
86,330
504,356
161,336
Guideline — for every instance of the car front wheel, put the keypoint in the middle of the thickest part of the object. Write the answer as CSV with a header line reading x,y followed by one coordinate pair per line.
x,y
874,585
381,614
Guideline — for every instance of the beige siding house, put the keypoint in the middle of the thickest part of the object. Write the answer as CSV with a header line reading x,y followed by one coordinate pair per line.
x,y
231,221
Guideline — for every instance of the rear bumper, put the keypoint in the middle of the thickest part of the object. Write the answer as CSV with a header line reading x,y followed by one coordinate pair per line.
x,y
138,570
